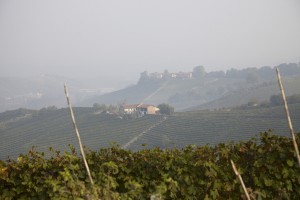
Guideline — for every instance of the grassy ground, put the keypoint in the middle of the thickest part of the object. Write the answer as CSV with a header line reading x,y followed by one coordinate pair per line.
x,y
21,129
259,93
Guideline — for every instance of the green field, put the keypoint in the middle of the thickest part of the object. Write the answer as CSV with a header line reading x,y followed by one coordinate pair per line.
x,y
200,94
22,129
212,127
266,163
259,93
178,92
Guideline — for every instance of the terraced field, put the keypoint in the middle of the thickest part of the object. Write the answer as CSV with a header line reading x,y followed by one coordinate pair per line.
x,y
54,129
21,129
260,93
212,127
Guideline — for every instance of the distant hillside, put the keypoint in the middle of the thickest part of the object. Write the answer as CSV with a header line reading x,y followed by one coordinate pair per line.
x,y
213,127
180,93
47,90
21,129
183,90
33,92
191,90
259,93
132,94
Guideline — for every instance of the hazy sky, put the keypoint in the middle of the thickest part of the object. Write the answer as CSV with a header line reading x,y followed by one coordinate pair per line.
x,y
125,37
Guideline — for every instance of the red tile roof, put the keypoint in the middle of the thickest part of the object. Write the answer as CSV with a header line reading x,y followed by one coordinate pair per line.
x,y
136,106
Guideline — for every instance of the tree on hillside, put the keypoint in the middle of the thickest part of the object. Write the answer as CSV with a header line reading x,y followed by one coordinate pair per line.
x,y
276,100
96,105
113,109
252,77
293,99
233,73
99,107
144,77
122,102
166,74
47,109
199,72
266,72
216,74
166,109
290,69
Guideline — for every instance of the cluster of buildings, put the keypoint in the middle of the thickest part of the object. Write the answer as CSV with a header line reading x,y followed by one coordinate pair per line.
x,y
142,109
180,75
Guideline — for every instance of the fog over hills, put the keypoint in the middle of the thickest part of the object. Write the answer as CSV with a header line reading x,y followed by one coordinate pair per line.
x,y
183,90
98,47
35,92
21,129
120,39
209,90
165,95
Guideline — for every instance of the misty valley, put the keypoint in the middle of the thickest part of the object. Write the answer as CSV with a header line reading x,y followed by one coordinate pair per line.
x,y
169,136
149,100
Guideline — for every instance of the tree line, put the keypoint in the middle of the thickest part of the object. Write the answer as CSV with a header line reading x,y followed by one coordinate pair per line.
x,y
164,109
267,165
251,74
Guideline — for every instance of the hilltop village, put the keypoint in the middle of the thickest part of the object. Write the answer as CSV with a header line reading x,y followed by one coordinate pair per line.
x,y
250,74
181,75
197,72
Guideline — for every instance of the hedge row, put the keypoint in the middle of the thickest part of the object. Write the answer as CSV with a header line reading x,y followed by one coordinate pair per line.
x,y
267,165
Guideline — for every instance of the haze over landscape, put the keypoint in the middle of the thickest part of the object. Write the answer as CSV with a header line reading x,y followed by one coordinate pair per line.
x,y
120,39
102,46
192,55
167,96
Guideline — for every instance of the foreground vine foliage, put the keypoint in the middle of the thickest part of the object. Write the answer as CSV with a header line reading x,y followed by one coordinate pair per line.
x,y
267,165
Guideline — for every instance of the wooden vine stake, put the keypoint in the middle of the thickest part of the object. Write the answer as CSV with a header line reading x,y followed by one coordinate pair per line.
x,y
78,136
240,179
288,116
